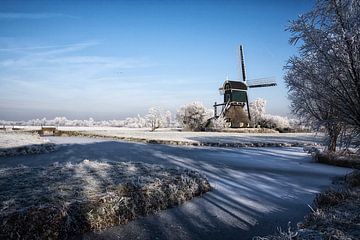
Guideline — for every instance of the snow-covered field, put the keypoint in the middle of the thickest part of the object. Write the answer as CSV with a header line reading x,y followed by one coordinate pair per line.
x,y
179,137
12,139
170,136
14,143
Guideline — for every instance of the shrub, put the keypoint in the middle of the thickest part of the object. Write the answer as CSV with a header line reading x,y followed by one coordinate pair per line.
x,y
217,123
193,116
273,121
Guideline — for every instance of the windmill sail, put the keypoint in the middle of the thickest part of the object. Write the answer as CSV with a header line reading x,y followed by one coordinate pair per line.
x,y
236,96
242,63
262,82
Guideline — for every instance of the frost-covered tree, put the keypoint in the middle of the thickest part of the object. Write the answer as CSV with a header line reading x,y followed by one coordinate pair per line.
x,y
155,118
42,121
131,122
136,122
259,116
193,116
167,119
90,122
324,80
257,109
60,121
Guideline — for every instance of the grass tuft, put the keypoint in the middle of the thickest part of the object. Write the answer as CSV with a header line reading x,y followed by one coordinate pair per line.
x,y
65,199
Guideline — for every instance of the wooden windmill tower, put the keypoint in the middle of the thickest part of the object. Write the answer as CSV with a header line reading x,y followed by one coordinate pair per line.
x,y
236,96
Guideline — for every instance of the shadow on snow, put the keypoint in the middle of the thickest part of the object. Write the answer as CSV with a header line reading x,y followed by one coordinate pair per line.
x,y
256,189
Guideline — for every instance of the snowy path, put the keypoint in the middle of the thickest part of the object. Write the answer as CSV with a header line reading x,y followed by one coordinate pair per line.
x,y
256,189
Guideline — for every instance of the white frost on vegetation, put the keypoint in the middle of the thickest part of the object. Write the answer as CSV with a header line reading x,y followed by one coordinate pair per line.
x,y
193,116
23,143
259,117
18,139
89,195
157,115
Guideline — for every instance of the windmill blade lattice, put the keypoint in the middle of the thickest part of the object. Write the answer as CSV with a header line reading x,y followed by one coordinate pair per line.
x,y
262,82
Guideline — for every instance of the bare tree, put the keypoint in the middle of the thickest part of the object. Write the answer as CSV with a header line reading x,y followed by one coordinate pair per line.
x,y
324,80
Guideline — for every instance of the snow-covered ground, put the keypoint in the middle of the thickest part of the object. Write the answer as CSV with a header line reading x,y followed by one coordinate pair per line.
x,y
169,135
12,139
255,191
90,195
201,138
14,143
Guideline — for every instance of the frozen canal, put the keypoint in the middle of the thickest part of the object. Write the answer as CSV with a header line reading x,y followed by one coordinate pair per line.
x,y
255,191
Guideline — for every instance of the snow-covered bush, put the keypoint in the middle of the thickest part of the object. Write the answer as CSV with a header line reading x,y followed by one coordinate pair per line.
x,y
274,121
193,116
218,123
260,118
299,126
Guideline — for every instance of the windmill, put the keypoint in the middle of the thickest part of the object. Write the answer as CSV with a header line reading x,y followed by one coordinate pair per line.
x,y
236,96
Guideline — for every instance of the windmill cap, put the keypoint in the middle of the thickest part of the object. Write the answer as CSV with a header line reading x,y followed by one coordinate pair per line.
x,y
240,85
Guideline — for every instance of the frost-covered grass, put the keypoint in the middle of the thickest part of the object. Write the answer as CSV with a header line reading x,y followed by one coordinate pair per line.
x,y
21,143
337,214
11,139
342,159
178,137
65,199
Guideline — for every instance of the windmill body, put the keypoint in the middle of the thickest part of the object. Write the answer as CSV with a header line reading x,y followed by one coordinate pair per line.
x,y
235,108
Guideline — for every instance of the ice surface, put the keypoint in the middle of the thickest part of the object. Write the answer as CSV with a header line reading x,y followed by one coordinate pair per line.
x,y
256,189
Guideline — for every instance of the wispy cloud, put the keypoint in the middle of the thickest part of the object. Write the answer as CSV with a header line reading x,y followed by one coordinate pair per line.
x,y
58,56
69,48
76,62
104,62
64,62
50,49
19,15
44,77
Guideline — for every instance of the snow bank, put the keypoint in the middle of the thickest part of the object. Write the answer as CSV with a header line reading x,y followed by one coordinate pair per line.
x,y
62,200
22,143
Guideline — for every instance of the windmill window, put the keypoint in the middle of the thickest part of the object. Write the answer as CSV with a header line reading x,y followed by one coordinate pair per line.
x,y
239,96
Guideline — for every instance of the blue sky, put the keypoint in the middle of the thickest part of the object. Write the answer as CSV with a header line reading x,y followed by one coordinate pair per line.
x,y
112,59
